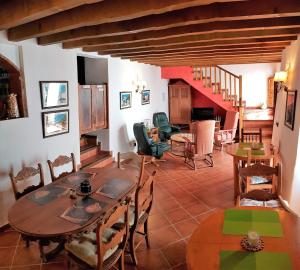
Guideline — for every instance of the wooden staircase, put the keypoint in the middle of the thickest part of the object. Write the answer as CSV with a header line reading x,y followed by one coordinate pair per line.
x,y
91,155
224,83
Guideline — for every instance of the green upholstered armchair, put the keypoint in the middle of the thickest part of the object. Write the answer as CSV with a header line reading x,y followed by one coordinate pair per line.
x,y
146,146
165,129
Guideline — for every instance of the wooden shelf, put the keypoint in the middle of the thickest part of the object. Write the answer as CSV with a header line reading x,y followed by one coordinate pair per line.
x,y
11,82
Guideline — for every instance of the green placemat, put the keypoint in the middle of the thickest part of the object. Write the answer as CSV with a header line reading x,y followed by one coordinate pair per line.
x,y
248,145
240,260
243,153
239,222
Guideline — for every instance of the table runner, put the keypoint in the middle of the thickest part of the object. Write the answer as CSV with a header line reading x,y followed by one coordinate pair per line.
x,y
240,221
242,260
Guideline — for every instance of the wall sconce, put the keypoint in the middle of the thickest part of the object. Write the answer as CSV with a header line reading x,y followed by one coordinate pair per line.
x,y
139,85
281,78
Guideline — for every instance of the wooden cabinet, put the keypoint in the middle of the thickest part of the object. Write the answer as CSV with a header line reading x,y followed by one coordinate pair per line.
x,y
92,108
180,103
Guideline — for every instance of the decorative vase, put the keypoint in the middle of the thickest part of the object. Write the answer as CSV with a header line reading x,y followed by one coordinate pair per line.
x,y
12,106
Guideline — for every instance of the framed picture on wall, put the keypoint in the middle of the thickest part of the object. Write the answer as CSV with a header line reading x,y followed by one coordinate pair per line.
x,y
145,97
54,94
55,123
125,100
290,108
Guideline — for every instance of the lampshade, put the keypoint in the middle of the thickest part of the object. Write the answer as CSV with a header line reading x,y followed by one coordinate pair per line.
x,y
280,76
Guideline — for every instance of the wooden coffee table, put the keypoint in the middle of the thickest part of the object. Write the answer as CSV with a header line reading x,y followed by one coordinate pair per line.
x,y
178,143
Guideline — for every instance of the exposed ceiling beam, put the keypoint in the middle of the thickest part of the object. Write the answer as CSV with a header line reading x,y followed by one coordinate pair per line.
x,y
250,47
219,61
253,9
211,57
190,30
206,54
246,43
104,12
219,38
17,12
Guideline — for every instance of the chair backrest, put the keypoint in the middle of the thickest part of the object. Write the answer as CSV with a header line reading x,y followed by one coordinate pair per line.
x,y
259,169
119,238
25,174
160,119
61,161
132,160
269,160
251,136
143,141
203,136
144,197
231,121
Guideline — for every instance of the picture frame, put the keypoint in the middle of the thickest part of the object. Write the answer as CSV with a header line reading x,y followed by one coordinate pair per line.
x,y
290,108
54,94
55,123
125,100
145,97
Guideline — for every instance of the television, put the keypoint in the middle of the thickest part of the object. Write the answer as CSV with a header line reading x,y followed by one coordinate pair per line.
x,y
199,114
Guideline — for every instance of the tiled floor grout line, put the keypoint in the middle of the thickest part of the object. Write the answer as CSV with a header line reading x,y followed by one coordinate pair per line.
x,y
15,252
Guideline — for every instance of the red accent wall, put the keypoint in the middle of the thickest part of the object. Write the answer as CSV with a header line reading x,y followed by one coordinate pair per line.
x,y
200,100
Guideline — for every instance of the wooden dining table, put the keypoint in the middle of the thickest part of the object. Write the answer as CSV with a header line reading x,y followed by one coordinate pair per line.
x,y
45,222
239,153
207,241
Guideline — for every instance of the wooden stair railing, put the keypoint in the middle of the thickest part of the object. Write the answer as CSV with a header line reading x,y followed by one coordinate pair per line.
x,y
225,83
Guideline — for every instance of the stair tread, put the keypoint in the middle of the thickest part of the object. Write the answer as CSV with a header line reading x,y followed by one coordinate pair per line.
x,y
86,148
96,158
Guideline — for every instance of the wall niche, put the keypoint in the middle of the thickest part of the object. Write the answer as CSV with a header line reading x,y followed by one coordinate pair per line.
x,y
12,91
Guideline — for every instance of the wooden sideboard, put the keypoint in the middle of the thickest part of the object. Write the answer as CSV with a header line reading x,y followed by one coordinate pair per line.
x,y
180,103
93,107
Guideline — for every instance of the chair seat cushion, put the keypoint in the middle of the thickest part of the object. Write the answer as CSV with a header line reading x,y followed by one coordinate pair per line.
x,y
85,247
91,236
269,203
257,180
131,216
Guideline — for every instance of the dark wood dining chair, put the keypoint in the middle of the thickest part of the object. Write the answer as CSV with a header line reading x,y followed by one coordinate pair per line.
x,y
262,180
139,213
251,136
25,174
103,248
264,194
61,161
132,160
20,179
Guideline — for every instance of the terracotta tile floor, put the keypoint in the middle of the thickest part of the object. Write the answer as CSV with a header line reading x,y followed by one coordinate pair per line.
x,y
182,198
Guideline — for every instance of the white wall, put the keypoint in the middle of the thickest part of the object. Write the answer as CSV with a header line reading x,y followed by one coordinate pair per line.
x,y
255,81
21,140
121,75
285,138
